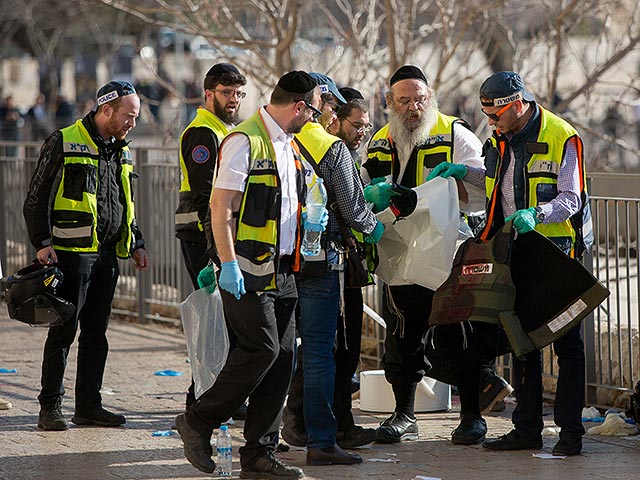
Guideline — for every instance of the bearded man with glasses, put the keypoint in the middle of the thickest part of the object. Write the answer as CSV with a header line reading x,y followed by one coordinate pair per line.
x,y
417,138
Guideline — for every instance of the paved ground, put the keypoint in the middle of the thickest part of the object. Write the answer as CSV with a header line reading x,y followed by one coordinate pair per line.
x,y
151,402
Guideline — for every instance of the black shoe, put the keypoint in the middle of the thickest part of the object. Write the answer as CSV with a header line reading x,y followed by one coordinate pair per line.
x,y
98,416
269,467
396,428
197,449
471,430
241,413
333,455
493,392
293,431
513,441
355,436
51,418
568,445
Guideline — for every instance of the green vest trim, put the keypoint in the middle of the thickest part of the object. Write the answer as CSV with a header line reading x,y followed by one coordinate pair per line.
x,y
75,207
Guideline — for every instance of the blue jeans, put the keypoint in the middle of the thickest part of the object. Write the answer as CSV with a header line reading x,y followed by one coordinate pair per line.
x,y
319,300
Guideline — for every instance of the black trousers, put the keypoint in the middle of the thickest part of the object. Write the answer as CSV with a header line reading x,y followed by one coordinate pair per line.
x,y
195,258
89,283
260,368
406,312
569,401
347,357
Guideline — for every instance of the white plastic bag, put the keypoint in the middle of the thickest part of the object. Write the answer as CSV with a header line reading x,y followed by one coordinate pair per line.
x,y
207,339
420,248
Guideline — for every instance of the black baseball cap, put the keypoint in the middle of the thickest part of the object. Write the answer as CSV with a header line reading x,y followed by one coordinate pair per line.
x,y
408,72
112,90
502,88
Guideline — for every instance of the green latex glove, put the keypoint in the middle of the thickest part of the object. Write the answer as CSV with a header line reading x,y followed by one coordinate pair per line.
x,y
524,220
377,180
374,237
207,278
379,194
448,169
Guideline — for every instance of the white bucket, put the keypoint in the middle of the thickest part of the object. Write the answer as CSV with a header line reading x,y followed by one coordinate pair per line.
x,y
376,394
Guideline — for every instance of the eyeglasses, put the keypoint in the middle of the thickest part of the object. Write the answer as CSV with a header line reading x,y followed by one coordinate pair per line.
x,y
496,116
315,113
406,102
334,106
360,129
231,93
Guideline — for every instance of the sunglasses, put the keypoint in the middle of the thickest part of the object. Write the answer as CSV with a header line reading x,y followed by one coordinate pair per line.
x,y
496,116
315,113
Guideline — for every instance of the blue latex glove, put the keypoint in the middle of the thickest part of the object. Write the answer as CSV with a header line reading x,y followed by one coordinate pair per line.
x,y
374,237
315,227
524,220
231,279
448,169
207,278
379,194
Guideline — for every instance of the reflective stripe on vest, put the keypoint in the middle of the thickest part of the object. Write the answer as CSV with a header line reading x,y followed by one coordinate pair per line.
x,y
75,207
542,173
437,148
258,224
186,216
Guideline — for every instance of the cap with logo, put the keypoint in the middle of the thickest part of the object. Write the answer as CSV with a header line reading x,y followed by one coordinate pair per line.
x,y
407,72
502,88
112,90
327,85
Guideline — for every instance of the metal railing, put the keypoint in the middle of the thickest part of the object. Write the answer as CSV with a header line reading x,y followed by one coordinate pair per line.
x,y
611,333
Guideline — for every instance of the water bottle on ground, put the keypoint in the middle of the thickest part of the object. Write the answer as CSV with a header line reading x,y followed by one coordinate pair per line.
x,y
316,202
223,447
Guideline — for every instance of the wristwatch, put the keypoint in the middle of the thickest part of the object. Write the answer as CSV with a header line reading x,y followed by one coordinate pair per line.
x,y
539,214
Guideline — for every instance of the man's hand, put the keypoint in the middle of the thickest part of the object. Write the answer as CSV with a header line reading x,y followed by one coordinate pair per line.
x,y
140,259
47,256
376,234
315,227
231,279
379,194
524,220
207,278
448,169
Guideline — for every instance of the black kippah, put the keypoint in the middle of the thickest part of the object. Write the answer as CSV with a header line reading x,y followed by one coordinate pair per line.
x,y
297,81
221,68
350,93
406,72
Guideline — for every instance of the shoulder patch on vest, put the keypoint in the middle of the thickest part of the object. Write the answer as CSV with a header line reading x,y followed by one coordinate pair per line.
x,y
200,154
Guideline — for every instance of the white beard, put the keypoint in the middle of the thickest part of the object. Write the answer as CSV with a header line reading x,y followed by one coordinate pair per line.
x,y
406,139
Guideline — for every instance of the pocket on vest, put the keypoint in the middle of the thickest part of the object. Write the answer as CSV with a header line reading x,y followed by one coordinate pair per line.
x,y
78,178
261,204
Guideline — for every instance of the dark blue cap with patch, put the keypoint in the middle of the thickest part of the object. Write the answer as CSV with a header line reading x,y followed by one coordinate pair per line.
x,y
112,90
502,88
327,86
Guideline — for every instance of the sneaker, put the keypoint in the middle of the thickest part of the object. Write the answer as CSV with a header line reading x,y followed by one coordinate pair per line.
x,y
513,441
5,404
269,467
568,445
471,430
355,436
399,426
51,418
493,392
197,448
98,416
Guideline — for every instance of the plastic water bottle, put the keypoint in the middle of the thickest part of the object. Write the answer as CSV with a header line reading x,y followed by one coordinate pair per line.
x,y
225,457
316,202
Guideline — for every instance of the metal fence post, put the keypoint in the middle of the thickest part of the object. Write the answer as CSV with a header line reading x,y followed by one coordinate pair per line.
x,y
143,213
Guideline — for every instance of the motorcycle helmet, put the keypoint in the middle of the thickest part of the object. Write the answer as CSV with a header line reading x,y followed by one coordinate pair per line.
x,y
31,295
